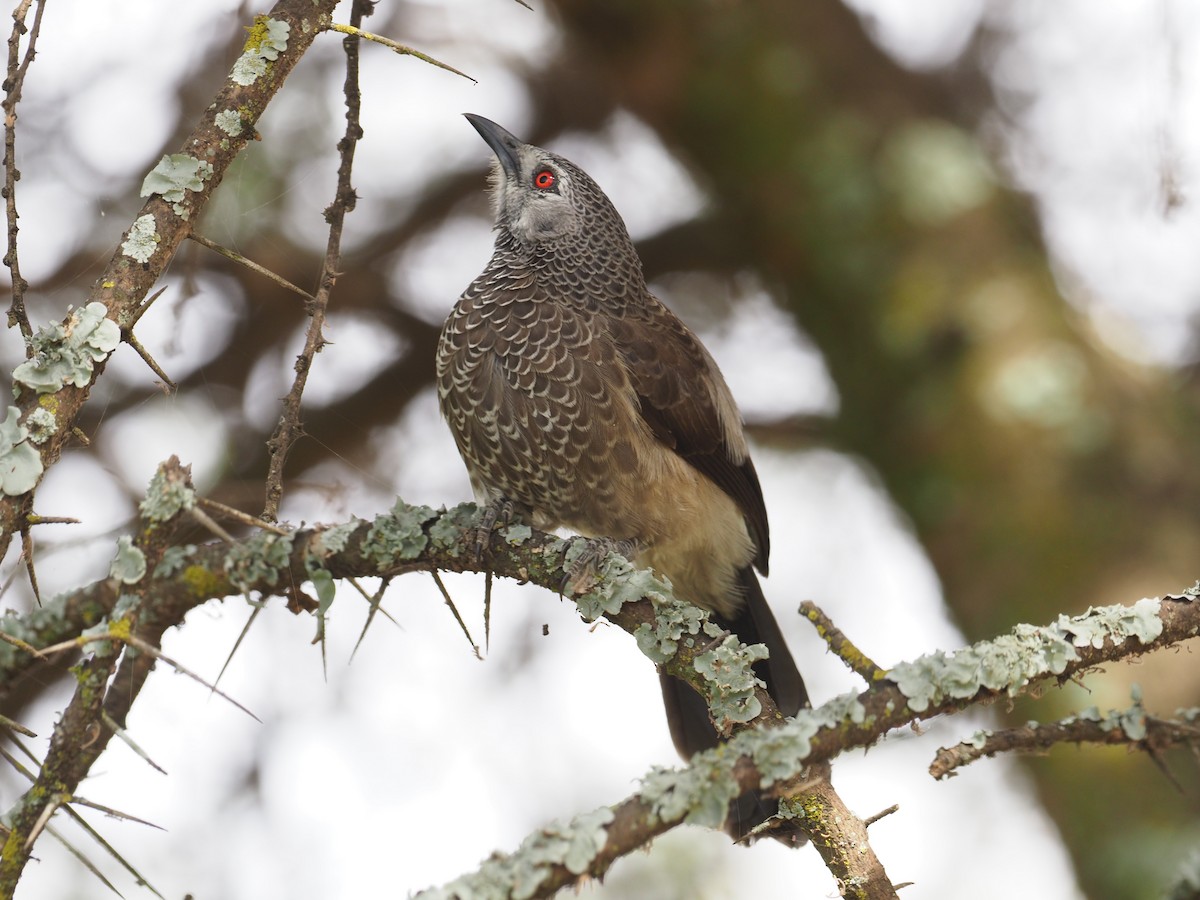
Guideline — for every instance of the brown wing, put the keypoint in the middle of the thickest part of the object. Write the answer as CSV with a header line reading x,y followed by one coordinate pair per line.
x,y
688,406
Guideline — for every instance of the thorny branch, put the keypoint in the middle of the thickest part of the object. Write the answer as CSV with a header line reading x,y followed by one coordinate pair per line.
x,y
14,82
290,427
417,538
108,683
354,31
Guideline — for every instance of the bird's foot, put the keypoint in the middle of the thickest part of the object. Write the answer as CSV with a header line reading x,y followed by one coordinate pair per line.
x,y
583,570
502,511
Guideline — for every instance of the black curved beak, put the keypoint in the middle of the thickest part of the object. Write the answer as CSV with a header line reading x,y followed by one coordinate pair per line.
x,y
503,144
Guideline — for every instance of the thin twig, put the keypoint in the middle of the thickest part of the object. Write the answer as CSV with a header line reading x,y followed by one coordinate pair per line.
x,y
207,521
14,82
245,518
355,31
236,257
871,820
345,199
23,645
842,646
34,519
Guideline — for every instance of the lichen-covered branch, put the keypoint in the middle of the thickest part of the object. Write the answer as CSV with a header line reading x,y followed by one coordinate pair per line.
x,y
841,838
108,681
57,378
781,758
1132,727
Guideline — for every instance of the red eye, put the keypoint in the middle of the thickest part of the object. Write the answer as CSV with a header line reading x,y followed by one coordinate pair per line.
x,y
544,180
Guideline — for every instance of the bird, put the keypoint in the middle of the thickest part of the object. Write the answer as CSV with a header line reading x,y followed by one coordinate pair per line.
x,y
579,401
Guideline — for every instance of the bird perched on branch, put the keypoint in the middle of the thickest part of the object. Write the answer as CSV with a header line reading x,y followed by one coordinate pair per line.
x,y
578,399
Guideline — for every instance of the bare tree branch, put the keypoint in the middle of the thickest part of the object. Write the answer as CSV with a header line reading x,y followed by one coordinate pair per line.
x,y
345,199
14,82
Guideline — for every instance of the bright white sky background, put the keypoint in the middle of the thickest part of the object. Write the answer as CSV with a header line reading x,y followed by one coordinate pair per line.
x,y
408,766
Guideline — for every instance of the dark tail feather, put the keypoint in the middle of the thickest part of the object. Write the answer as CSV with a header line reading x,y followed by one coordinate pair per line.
x,y
687,714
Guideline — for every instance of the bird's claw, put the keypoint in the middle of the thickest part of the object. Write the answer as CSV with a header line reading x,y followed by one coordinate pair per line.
x,y
582,572
501,511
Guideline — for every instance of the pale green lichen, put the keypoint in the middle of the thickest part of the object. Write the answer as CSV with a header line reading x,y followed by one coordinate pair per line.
x,y
447,532
41,425
517,534
142,240
166,497
323,584
268,38
334,538
258,560
1011,661
20,464
174,176
779,753
67,353
727,669
229,121
842,709
726,666
1115,623
1131,722
397,535
173,559
699,794
518,875
129,565
331,540
672,621
617,582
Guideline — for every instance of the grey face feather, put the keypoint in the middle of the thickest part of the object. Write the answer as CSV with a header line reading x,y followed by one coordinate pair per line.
x,y
533,215
531,189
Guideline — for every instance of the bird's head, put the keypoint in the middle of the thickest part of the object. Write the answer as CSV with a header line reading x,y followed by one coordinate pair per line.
x,y
537,196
